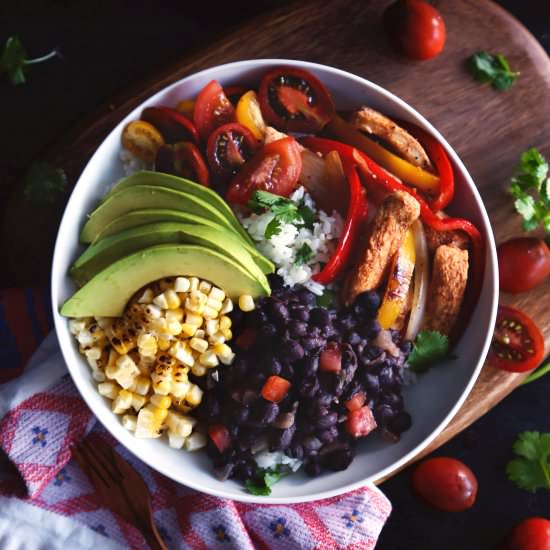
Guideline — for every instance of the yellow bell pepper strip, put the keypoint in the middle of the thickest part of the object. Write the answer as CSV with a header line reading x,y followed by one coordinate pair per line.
x,y
413,175
399,281
248,114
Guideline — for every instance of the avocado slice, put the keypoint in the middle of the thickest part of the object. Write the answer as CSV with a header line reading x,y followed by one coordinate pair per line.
x,y
154,215
148,196
147,177
108,293
103,253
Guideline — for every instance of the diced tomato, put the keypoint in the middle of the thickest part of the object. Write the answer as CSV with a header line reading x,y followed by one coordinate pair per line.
x,y
275,389
220,436
212,109
330,359
356,402
246,338
360,422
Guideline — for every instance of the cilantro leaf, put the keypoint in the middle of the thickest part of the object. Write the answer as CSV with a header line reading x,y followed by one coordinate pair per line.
x,y
531,470
307,215
44,183
530,186
14,62
303,255
272,228
263,481
492,69
429,347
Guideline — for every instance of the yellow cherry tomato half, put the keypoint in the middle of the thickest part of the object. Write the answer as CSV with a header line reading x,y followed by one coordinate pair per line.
x,y
248,114
186,107
142,140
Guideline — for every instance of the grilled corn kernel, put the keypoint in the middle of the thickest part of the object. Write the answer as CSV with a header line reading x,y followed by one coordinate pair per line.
x,y
161,301
78,325
123,371
152,312
162,387
175,441
198,344
209,313
173,328
141,385
182,352
138,401
179,423
98,376
208,359
227,333
108,389
199,333
164,343
85,338
216,338
227,306
246,302
188,330
147,344
147,426
161,401
146,297
193,319
194,304
225,322
224,353
172,299
174,315
195,442
179,389
159,325
122,402
211,326
205,286
214,304
193,283
217,294
181,284
129,421
198,370
194,395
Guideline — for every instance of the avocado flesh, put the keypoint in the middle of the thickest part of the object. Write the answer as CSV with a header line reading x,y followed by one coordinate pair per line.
x,y
110,249
147,177
155,215
148,196
107,294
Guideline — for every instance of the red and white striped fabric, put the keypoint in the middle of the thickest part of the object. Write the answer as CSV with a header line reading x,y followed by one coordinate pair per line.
x,y
43,414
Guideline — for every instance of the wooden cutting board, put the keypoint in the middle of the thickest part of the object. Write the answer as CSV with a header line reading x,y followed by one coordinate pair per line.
x,y
488,129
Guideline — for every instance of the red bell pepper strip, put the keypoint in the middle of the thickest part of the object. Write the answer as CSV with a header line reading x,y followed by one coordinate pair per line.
x,y
439,157
356,214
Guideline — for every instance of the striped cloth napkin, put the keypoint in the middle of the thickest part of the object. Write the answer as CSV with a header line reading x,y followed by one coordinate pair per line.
x,y
47,502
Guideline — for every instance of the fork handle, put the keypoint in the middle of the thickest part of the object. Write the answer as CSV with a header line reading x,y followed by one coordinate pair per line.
x,y
153,538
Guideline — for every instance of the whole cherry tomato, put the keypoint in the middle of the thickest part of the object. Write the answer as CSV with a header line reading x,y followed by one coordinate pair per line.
x,y
416,28
523,263
529,534
445,483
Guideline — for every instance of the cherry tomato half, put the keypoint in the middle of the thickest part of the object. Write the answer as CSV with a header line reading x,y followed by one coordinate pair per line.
x,y
182,159
445,483
523,263
275,168
294,100
529,534
212,109
517,345
416,28
172,125
234,93
229,147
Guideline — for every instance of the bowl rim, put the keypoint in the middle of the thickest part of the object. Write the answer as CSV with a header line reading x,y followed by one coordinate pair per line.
x,y
60,322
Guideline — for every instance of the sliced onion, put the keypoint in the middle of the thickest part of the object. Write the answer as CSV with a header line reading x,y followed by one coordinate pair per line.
x,y
421,280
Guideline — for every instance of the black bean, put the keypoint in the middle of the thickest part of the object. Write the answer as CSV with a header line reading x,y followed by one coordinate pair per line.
x,y
339,459
246,437
277,311
372,383
295,451
386,376
400,423
257,378
257,318
370,353
309,387
306,297
366,304
298,329
276,282
300,313
346,322
406,347
270,365
327,420
241,414
329,435
244,470
287,371
312,468
393,399
291,351
310,343
383,413
311,444
369,328
354,339
265,412
281,439
320,316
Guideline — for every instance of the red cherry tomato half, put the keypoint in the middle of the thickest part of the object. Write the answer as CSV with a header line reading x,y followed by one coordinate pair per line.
x,y
517,344
445,483
220,436
275,168
234,93
294,100
182,159
416,28
529,534
523,263
330,359
229,147
360,422
212,109
172,125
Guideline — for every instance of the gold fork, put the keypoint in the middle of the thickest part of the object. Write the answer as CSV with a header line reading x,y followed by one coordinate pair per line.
x,y
119,486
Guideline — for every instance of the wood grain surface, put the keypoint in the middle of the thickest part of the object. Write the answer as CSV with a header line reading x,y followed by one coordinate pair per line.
x,y
488,129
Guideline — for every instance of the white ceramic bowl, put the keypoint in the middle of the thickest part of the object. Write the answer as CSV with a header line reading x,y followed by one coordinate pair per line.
x,y
432,402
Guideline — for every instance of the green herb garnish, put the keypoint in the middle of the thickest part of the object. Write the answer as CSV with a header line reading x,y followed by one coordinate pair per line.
x,y
303,255
492,69
44,183
531,471
14,63
429,347
264,480
531,188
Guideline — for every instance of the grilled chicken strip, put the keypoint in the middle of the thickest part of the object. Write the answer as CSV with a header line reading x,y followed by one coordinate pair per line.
x,y
372,122
449,278
389,225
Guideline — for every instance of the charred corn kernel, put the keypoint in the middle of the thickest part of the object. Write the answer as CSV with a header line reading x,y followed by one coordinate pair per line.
x,y
112,359
160,301
161,401
145,363
141,385
227,333
194,395
93,356
159,415
188,329
174,315
77,325
173,328
198,344
172,299
199,333
181,284
122,402
98,376
208,359
182,352
205,286
193,283
164,343
147,344
216,338
195,442
175,441
162,387
198,370
146,425
129,421
146,297
210,313
85,338
225,322
138,401
179,389
152,311
217,294
211,326
193,319
181,405
105,322
227,306
108,389
224,353
246,302
179,423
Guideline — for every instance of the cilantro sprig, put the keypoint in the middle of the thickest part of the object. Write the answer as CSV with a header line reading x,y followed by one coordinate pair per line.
x,y
14,62
303,255
492,69
263,481
44,183
530,186
531,470
429,347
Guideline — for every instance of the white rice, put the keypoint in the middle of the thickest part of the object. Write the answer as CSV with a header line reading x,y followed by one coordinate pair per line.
x,y
132,164
281,249
266,460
